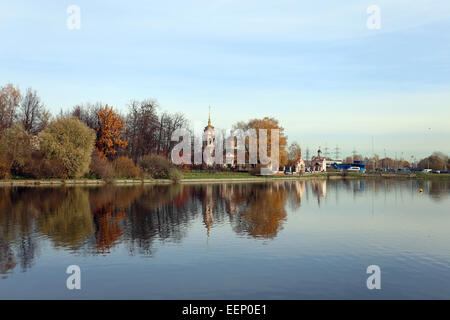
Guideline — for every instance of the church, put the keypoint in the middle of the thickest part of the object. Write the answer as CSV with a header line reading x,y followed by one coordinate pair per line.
x,y
209,140
318,163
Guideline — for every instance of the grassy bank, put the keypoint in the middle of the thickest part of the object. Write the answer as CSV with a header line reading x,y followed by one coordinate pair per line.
x,y
230,175
205,176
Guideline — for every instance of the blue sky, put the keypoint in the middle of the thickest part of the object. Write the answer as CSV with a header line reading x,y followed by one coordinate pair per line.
x,y
313,65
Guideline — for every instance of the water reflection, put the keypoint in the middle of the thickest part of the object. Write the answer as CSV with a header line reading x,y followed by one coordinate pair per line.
x,y
95,220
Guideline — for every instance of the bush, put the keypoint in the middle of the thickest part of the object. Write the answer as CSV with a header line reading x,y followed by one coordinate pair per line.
x,y
256,170
124,167
155,166
71,142
101,168
175,175
39,167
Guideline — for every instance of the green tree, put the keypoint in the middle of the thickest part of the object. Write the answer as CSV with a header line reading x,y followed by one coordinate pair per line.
x,y
71,142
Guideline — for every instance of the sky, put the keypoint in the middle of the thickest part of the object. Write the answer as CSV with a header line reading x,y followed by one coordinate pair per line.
x,y
314,65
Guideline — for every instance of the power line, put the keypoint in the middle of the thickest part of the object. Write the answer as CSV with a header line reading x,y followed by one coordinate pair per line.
x,y
326,151
336,153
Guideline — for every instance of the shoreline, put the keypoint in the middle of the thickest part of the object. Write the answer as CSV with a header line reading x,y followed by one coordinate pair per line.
x,y
322,176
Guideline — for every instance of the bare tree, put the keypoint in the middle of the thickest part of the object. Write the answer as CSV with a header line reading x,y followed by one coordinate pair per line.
x,y
87,113
168,124
32,113
142,128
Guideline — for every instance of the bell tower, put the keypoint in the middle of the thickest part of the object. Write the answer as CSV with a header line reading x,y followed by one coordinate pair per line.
x,y
209,131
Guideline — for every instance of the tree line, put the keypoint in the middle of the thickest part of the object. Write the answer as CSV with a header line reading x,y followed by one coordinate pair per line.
x,y
87,140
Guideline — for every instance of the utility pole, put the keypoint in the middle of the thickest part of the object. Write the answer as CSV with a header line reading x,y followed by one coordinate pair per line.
x,y
395,161
373,157
326,151
336,153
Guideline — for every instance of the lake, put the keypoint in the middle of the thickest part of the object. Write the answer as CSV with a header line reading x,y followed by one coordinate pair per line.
x,y
283,240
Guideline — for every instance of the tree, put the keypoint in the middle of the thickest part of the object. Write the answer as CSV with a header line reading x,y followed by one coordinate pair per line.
x,y
267,124
437,161
294,153
142,128
71,142
15,149
32,113
167,125
109,132
9,102
87,113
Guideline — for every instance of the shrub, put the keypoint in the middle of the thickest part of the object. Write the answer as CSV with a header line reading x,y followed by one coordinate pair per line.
x,y
256,170
175,175
124,167
155,166
39,167
100,168
71,142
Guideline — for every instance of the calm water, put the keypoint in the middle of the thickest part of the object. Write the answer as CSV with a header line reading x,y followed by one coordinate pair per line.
x,y
283,240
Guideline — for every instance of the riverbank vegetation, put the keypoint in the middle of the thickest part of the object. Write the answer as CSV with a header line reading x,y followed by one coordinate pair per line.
x,y
91,141
95,141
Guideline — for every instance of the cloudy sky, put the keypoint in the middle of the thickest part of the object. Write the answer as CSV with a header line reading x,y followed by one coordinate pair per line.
x,y
314,65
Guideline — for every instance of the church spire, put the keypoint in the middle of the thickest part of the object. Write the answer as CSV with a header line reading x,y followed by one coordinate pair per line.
x,y
209,117
209,126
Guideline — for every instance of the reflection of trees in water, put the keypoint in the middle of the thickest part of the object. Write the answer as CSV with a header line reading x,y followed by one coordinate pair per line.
x,y
265,211
439,189
69,223
7,260
108,205
18,239
161,212
96,219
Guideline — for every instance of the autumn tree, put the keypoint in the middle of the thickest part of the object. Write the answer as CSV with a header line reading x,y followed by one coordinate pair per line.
x,y
70,141
386,163
268,124
9,102
294,153
109,132
437,161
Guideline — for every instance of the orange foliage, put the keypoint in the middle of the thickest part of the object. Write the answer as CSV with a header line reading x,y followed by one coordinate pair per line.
x,y
108,228
108,132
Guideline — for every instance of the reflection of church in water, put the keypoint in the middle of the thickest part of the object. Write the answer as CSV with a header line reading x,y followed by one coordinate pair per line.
x,y
319,188
211,200
208,208
231,201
